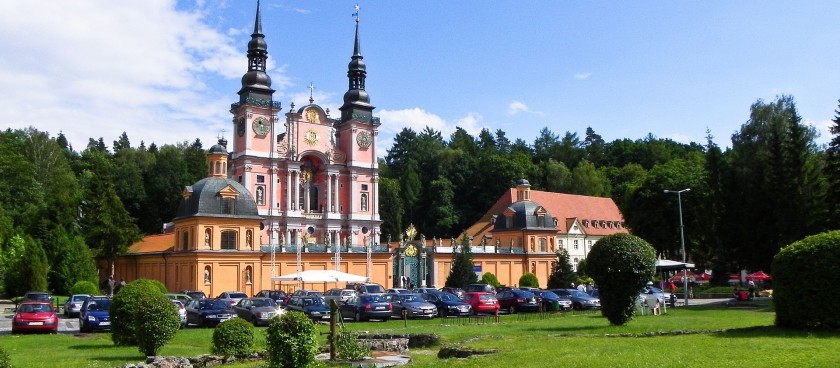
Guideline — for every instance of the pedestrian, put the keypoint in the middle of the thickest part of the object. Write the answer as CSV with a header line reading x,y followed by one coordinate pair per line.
x,y
656,307
671,287
111,285
120,286
751,289
581,287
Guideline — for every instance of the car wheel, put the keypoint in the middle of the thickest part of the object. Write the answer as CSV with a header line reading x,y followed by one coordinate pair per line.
x,y
83,328
511,310
442,313
357,317
577,306
201,322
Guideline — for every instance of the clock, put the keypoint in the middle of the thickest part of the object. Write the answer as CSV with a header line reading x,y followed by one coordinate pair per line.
x,y
240,127
310,137
260,126
363,139
411,251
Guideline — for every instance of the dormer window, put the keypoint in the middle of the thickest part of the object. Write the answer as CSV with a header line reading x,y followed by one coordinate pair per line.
x,y
595,224
228,206
585,223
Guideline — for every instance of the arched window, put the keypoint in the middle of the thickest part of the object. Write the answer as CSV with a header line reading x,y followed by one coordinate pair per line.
x,y
543,245
229,239
185,240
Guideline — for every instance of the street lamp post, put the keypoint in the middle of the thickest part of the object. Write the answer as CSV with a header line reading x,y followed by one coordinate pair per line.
x,y
682,238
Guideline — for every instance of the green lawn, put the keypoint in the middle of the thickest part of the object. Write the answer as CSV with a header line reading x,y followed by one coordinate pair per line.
x,y
696,336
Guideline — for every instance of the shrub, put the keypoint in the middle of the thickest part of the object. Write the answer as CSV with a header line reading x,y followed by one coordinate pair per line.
x,y
234,337
156,322
490,279
349,347
5,360
291,341
529,279
620,264
124,309
84,287
562,274
462,273
804,280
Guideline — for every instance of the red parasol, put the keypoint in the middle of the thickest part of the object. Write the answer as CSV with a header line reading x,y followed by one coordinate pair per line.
x,y
685,273
704,277
759,276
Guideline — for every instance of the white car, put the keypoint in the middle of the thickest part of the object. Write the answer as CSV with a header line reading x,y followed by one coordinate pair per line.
x,y
232,297
74,304
182,312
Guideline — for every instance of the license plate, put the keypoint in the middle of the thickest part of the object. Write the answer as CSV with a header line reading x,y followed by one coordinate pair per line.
x,y
104,323
36,323
380,308
427,311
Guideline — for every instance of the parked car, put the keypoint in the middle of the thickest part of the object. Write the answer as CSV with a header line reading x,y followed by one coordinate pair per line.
x,y
73,304
398,291
37,296
279,296
258,311
195,294
307,293
232,297
514,301
453,290
339,295
364,307
208,312
425,291
314,307
448,304
580,300
366,288
182,311
483,288
412,304
95,314
665,296
183,298
35,316
529,288
482,302
549,298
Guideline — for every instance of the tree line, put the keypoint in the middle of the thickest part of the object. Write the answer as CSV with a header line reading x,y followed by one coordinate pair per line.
x,y
772,186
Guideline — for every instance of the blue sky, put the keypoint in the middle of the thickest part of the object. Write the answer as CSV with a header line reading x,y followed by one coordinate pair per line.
x,y
167,71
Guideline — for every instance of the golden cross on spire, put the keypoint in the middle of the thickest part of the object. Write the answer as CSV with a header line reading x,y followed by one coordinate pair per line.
x,y
356,14
311,89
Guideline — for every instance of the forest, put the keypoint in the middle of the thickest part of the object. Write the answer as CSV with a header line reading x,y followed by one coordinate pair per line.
x,y
771,186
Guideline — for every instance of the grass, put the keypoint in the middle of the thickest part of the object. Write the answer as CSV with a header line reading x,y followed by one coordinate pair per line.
x,y
696,336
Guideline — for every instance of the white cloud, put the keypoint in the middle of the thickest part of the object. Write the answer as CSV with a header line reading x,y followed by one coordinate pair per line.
x,y
582,76
516,107
94,69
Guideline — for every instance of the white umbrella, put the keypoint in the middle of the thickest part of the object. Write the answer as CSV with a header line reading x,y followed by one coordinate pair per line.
x,y
321,276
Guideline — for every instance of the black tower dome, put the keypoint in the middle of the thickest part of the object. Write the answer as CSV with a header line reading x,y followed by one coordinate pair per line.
x,y
256,83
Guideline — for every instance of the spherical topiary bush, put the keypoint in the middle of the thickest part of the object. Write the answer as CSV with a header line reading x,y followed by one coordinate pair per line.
x,y
234,337
620,264
156,322
804,281
84,287
529,279
291,341
124,309
490,279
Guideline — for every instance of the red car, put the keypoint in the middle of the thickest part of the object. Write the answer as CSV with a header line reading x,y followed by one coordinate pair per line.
x,y
482,302
35,317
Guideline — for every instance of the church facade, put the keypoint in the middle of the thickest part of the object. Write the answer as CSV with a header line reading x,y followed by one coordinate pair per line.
x,y
297,189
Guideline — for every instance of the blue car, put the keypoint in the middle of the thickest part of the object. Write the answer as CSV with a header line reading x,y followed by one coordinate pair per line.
x,y
314,307
448,304
208,312
95,314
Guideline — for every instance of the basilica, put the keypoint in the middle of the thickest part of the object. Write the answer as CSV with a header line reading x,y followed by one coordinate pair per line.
x,y
296,189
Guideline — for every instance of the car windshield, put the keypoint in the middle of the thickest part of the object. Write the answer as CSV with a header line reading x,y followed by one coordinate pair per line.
x,y
547,294
264,303
35,308
486,297
374,289
79,298
237,295
313,301
448,297
373,298
411,298
214,304
100,305
579,294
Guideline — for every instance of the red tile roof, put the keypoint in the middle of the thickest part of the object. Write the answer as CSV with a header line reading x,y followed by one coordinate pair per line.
x,y
564,207
153,243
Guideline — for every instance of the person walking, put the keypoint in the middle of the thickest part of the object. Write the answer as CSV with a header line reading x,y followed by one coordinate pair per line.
x,y
751,289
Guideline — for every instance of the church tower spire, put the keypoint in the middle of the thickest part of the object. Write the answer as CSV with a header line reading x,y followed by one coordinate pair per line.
x,y
356,100
256,84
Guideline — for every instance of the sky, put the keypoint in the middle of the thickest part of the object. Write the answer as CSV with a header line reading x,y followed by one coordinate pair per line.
x,y
166,71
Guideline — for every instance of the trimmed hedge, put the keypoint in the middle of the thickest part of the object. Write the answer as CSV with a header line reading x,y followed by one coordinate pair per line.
x,y
529,279
291,341
620,264
490,279
125,306
234,337
84,287
156,322
804,281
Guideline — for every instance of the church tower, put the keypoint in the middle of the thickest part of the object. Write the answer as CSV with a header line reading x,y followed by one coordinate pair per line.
x,y
314,178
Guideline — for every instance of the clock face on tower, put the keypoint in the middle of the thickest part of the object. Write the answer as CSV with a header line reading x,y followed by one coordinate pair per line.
x,y
310,137
363,139
260,126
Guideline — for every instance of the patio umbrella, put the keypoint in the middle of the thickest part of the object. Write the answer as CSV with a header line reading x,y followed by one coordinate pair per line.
x,y
759,276
685,273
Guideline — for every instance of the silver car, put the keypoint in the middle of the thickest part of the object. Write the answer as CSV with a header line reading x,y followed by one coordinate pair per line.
x,y
411,306
74,304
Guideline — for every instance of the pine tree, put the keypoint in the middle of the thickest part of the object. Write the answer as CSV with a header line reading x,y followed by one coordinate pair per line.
x,y
832,172
562,273
462,273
